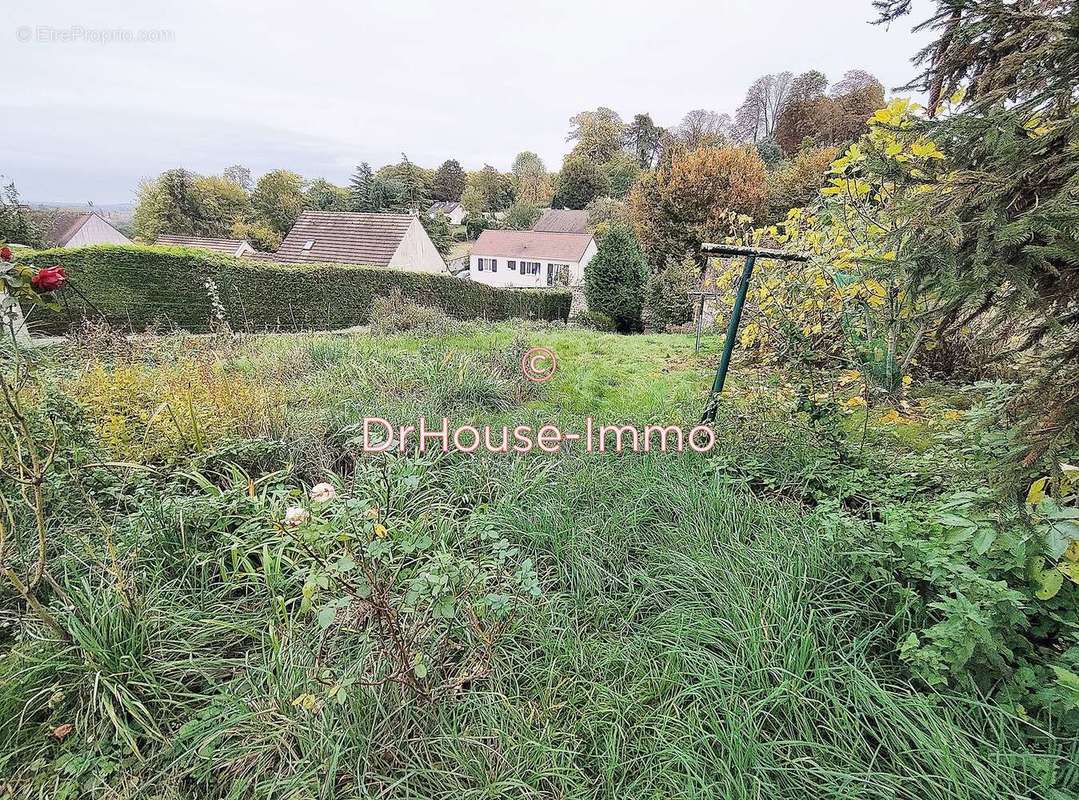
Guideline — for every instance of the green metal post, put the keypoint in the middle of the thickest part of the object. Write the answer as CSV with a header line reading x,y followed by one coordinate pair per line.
x,y
728,343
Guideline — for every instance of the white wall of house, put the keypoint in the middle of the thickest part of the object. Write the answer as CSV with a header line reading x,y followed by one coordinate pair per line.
x,y
96,231
416,252
518,276
457,216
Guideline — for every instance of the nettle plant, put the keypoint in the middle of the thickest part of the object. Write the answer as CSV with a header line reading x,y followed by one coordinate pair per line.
x,y
423,589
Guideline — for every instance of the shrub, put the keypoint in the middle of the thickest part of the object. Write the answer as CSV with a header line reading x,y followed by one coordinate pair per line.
x,y
522,216
395,314
139,287
667,300
475,224
143,414
614,279
596,320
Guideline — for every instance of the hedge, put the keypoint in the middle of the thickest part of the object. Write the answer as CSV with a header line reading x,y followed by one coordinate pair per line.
x,y
139,287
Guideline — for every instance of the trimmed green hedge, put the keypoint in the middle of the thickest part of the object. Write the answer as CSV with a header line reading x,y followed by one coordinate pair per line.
x,y
140,287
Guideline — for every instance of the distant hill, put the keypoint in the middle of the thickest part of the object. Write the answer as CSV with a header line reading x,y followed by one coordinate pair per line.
x,y
119,215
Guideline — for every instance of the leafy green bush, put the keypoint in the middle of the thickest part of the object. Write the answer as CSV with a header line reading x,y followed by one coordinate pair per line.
x,y
394,314
667,299
614,279
596,320
521,216
475,224
143,287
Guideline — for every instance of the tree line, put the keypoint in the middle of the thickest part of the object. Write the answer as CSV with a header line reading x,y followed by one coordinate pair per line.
x,y
783,133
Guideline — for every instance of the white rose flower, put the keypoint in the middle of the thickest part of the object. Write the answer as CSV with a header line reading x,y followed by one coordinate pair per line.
x,y
323,492
295,516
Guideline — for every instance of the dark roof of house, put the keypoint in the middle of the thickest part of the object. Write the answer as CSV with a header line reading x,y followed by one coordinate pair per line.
x,y
65,225
228,247
532,244
344,237
445,206
562,221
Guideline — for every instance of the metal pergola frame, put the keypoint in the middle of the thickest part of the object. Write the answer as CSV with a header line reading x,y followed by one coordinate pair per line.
x,y
751,254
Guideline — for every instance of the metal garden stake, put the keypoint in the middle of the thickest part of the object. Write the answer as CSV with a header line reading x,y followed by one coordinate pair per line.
x,y
751,254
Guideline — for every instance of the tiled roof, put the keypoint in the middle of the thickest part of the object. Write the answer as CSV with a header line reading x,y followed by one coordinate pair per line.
x,y
445,206
532,244
228,247
562,221
65,225
344,237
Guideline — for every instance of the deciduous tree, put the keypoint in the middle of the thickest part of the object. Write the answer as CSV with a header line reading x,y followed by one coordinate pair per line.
x,y
325,196
16,225
521,216
796,182
703,128
581,181
622,171
240,175
756,117
449,181
533,183
494,187
278,199
597,135
699,197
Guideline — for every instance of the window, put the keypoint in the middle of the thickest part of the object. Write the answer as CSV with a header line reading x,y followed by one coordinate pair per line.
x,y
557,273
512,265
488,264
308,244
530,268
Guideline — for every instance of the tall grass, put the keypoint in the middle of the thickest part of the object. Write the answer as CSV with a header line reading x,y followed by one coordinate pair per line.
x,y
693,641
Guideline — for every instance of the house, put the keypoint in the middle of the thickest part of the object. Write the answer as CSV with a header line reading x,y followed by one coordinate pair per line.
x,y
397,241
454,211
81,228
530,258
226,247
555,220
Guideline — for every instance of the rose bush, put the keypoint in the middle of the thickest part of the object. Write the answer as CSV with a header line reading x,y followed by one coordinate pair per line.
x,y
49,279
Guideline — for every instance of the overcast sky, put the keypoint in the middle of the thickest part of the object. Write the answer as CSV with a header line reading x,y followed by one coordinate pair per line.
x,y
318,86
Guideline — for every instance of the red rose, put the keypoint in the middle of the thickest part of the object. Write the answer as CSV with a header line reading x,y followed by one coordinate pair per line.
x,y
49,279
5,253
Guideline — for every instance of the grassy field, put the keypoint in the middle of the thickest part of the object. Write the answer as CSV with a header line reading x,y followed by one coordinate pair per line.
x,y
701,628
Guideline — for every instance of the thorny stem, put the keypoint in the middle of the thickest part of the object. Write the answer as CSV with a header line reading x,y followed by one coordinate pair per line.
x,y
30,482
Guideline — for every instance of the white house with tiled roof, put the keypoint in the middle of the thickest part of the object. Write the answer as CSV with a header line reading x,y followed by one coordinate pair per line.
x,y
79,229
530,259
452,209
397,241
226,247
